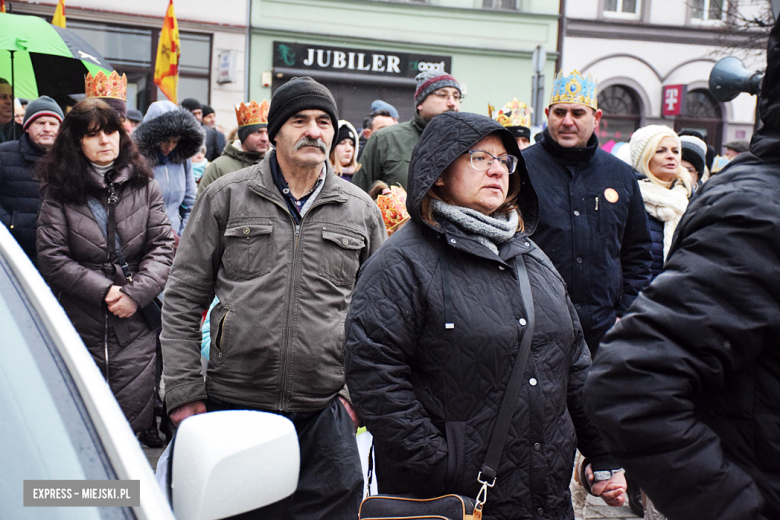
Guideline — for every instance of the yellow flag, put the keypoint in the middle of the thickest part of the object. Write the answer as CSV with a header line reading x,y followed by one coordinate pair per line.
x,y
166,69
59,15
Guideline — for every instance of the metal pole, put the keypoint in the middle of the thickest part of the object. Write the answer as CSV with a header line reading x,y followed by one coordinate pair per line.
x,y
13,95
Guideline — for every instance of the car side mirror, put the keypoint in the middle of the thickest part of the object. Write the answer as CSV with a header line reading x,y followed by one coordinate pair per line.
x,y
231,462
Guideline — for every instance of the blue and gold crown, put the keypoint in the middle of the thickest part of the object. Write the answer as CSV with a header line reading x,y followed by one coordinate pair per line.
x,y
575,89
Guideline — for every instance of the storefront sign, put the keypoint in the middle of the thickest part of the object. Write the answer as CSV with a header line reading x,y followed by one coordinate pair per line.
x,y
357,61
673,100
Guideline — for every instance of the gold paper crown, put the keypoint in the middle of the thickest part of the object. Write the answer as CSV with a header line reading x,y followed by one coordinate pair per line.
x,y
575,89
252,114
514,113
392,204
100,86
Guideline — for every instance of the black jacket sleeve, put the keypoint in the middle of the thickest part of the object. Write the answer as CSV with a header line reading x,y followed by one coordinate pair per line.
x,y
703,320
382,327
636,258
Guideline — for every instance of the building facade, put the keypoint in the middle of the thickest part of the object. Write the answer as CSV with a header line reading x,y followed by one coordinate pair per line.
x,y
653,59
372,49
213,45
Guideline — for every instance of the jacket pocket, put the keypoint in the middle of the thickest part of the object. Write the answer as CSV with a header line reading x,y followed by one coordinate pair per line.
x,y
247,250
340,257
456,457
219,340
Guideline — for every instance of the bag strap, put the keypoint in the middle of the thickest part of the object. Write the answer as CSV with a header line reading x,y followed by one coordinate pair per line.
x,y
487,476
107,225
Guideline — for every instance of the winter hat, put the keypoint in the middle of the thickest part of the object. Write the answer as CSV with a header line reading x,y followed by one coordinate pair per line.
x,y
694,150
43,106
206,110
300,93
251,117
191,104
378,105
136,116
346,131
643,136
738,146
429,82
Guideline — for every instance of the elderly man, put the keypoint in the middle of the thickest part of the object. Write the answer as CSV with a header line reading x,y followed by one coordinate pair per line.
x,y
280,245
248,150
20,198
592,221
387,154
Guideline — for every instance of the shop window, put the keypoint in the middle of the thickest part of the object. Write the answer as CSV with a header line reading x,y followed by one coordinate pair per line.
x,y
712,10
507,5
622,113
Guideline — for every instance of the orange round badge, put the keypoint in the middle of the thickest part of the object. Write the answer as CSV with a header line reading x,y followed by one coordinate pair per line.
x,y
611,195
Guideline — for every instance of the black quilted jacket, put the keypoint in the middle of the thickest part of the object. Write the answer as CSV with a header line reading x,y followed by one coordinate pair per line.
x,y
20,199
686,385
430,394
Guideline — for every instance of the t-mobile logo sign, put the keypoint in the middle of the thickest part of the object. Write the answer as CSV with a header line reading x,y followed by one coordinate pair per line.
x,y
673,100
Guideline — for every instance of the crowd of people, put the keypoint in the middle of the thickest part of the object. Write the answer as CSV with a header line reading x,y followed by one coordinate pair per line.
x,y
253,271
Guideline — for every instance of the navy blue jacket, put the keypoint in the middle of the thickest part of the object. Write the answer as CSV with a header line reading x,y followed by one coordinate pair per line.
x,y
20,199
593,226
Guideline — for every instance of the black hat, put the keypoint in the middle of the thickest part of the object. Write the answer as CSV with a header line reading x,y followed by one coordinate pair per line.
x,y
738,146
207,110
299,94
191,104
520,131
345,132
136,116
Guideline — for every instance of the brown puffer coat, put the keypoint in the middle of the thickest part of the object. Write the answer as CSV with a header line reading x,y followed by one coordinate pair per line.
x,y
71,255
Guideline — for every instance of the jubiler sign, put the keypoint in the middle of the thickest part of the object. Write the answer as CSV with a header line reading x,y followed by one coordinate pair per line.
x,y
357,61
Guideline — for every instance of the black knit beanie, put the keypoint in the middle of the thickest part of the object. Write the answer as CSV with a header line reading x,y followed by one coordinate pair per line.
x,y
299,94
191,104
206,110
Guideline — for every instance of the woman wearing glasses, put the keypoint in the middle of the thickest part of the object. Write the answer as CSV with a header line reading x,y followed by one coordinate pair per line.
x,y
435,325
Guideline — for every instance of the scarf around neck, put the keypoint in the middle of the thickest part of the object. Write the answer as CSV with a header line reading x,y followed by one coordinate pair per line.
x,y
488,231
666,205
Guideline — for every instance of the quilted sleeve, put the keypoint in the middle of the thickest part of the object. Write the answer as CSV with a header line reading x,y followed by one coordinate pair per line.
x,y
382,328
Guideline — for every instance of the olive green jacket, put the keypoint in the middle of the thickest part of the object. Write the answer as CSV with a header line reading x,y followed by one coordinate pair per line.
x,y
231,160
387,154
277,333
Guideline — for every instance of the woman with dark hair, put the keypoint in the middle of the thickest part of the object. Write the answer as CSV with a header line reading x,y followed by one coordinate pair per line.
x,y
95,184
435,327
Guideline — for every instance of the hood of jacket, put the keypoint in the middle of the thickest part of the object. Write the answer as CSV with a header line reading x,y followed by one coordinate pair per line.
x,y
448,136
766,141
164,121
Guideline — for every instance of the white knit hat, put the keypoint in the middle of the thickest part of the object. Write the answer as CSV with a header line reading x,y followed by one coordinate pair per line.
x,y
641,137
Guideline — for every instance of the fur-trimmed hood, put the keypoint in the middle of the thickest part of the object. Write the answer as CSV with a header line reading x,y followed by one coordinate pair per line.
x,y
163,121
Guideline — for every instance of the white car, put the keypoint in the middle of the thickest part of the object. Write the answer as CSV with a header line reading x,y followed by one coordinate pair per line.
x,y
60,421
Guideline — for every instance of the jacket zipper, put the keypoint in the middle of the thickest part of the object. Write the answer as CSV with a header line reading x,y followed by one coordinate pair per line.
x,y
291,291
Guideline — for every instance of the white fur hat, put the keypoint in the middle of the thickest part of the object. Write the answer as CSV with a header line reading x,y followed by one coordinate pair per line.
x,y
641,137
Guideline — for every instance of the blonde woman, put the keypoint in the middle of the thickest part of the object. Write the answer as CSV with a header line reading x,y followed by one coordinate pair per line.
x,y
656,154
344,151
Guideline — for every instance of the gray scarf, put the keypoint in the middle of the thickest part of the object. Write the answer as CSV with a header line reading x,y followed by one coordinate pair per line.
x,y
488,231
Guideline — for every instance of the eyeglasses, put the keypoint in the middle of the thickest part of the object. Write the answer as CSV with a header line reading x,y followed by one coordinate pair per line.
x,y
444,95
481,160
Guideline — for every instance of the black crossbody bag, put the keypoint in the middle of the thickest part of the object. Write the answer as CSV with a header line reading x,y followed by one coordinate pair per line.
x,y
457,507
151,313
